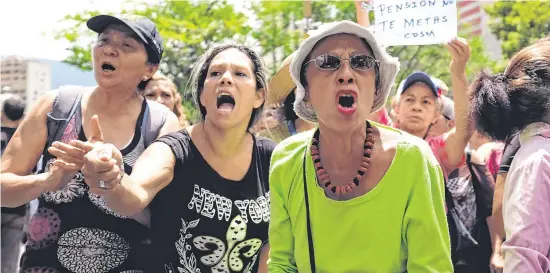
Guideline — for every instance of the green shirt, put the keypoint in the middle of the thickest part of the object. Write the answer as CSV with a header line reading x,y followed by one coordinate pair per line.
x,y
399,225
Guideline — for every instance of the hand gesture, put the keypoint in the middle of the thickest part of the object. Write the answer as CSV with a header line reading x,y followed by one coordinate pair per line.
x,y
460,52
69,160
60,173
362,8
103,167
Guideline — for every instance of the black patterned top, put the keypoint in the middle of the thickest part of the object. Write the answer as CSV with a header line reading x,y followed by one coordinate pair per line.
x,y
74,231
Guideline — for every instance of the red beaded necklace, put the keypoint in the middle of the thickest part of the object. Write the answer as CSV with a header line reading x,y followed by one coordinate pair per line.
x,y
322,175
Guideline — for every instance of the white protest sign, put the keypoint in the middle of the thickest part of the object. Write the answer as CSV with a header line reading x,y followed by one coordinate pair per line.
x,y
415,22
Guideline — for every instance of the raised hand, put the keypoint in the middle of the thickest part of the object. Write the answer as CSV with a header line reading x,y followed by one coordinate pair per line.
x,y
362,12
103,167
69,160
460,52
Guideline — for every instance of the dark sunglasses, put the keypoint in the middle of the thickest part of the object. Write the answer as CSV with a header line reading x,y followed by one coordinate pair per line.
x,y
331,62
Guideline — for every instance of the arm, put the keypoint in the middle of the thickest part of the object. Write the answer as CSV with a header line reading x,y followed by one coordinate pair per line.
x,y
152,172
264,257
22,154
458,137
362,15
281,256
526,220
498,220
425,226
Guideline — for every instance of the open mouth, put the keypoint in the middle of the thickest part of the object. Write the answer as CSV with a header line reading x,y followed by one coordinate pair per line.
x,y
225,102
107,67
346,100
346,103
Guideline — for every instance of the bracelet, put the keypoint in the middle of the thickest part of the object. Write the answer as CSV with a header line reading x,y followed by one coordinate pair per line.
x,y
367,5
122,172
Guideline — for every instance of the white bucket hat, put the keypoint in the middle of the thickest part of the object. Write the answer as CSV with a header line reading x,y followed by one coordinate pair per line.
x,y
388,66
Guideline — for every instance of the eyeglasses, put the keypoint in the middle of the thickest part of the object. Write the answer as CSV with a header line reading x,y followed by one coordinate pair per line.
x,y
331,62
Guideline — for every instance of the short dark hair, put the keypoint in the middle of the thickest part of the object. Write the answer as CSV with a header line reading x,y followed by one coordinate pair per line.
x,y
504,104
200,70
14,108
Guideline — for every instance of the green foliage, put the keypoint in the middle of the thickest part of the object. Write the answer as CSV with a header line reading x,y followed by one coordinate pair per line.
x,y
518,24
432,59
435,59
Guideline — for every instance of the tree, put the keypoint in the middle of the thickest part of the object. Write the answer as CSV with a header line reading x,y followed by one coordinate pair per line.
x,y
277,41
188,29
518,24
282,25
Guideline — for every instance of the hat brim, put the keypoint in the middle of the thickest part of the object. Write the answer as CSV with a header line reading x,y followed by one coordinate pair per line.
x,y
420,77
280,86
100,22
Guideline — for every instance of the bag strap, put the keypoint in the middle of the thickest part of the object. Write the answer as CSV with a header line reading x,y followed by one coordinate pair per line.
x,y
259,166
153,121
64,107
66,102
309,236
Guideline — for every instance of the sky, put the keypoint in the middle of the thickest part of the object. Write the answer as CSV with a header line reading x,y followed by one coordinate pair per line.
x,y
29,24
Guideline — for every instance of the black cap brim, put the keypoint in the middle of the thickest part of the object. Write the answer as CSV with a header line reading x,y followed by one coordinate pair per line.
x,y
100,22
420,77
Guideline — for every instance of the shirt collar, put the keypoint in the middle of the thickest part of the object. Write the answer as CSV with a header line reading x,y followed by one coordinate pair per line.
x,y
534,129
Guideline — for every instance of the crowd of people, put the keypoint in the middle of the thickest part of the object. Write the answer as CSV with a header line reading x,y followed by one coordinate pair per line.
x,y
305,172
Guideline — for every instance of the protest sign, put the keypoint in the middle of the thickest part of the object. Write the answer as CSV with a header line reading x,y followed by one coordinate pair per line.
x,y
415,22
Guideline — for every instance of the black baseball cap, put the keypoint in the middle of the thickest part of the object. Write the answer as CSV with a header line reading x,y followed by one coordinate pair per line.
x,y
144,28
423,78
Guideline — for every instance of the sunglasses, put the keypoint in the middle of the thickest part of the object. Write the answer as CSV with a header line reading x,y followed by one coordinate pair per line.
x,y
331,62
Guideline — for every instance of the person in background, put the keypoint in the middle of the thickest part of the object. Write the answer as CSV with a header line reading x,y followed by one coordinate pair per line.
x,y
510,150
163,90
394,103
518,101
419,108
489,151
13,219
441,86
446,119
281,96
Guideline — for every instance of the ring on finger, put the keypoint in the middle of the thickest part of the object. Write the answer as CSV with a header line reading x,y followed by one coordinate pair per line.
x,y
102,184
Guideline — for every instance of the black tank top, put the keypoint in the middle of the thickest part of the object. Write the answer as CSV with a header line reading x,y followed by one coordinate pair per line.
x,y
74,231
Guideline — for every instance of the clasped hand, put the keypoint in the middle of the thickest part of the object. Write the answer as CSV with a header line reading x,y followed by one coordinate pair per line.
x,y
100,163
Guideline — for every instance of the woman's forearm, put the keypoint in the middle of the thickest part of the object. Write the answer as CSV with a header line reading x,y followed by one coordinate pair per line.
x,y
18,190
126,199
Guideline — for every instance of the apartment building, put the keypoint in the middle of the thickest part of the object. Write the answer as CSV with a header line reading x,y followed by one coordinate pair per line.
x,y
473,21
27,78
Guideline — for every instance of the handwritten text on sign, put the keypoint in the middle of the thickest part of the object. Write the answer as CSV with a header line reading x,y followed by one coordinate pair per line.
x,y
420,22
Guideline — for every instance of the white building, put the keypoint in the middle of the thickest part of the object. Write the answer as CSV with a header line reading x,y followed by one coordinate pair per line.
x,y
475,22
26,78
